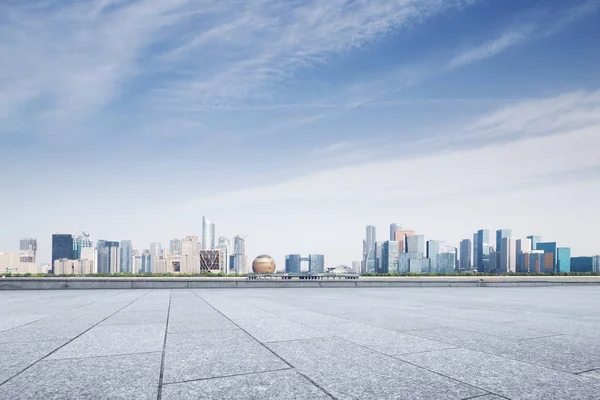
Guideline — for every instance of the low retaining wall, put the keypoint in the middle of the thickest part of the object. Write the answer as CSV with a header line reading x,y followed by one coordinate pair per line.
x,y
234,283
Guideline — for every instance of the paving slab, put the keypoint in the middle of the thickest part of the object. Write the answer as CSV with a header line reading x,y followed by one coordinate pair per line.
x,y
210,354
48,330
514,379
273,385
14,357
134,317
199,322
349,371
117,377
115,340
279,329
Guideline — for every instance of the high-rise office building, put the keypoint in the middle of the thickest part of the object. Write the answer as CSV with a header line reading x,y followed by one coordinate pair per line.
x,y
316,263
223,246
389,257
548,248
27,250
293,263
433,249
190,255
238,261
585,264
508,254
175,246
466,252
535,239
356,266
146,261
108,257
208,234
523,248
378,255
500,234
369,258
81,242
126,256
393,228
62,247
156,251
494,261
563,259
400,237
415,244
483,250
475,251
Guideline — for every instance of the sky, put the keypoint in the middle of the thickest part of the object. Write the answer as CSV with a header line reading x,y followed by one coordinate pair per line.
x,y
297,123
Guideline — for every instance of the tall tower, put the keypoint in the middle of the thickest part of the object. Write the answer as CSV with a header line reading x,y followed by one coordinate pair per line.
x,y
501,234
393,228
465,254
483,250
369,249
126,256
28,250
208,234
80,242
62,247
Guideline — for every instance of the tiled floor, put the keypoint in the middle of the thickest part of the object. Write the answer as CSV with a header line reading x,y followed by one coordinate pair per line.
x,y
397,343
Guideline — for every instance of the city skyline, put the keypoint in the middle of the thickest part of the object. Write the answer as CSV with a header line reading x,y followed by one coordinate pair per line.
x,y
444,116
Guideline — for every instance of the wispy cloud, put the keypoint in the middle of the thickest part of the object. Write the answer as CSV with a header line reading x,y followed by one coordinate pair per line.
x,y
536,24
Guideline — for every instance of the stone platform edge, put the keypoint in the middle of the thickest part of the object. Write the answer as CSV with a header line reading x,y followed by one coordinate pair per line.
x,y
242,283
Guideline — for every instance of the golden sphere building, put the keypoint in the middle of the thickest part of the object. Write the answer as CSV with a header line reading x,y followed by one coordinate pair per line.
x,y
263,264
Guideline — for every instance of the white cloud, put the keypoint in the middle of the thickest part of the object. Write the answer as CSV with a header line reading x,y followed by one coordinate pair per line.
x,y
541,23
541,184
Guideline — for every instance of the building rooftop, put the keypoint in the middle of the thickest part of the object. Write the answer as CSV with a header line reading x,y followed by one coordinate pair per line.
x,y
355,343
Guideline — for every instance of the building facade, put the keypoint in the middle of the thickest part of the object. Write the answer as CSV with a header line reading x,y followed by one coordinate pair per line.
x,y
62,247
126,257
316,263
208,234
466,251
79,243
293,263
28,250
563,259
501,234
508,254
483,250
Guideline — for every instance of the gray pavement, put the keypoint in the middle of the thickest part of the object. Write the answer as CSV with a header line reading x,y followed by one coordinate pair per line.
x,y
376,343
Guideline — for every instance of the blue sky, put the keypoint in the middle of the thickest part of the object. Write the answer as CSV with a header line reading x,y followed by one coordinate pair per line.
x,y
297,123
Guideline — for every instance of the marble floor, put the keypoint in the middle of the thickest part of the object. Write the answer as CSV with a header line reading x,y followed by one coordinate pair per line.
x,y
379,343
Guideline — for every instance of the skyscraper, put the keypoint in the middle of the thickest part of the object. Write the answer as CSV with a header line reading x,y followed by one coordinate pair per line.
x,y
393,228
483,250
223,246
500,234
475,251
535,239
126,256
508,255
155,251
400,237
523,248
208,234
378,255
81,242
146,261
415,244
237,261
62,247
108,257
190,255
563,259
292,263
316,263
548,248
465,254
27,250
433,250
369,258
175,246
389,257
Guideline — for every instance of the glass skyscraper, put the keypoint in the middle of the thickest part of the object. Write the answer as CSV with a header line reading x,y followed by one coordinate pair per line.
x,y
27,250
563,259
393,228
501,234
208,234
316,263
465,254
175,246
80,242
369,257
126,256
416,244
292,263
389,257
62,247
548,248
535,239
483,250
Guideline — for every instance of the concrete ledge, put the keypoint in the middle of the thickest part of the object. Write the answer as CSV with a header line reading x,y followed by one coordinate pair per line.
x,y
233,283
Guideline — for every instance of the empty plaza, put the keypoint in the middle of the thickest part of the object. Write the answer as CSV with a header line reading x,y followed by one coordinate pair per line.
x,y
303,343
